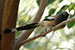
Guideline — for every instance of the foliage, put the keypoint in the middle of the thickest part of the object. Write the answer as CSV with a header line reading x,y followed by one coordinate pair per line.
x,y
72,23
49,2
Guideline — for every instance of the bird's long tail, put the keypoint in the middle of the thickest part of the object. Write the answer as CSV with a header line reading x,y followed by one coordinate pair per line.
x,y
26,27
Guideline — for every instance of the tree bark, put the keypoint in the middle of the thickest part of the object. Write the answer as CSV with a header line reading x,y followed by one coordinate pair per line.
x,y
2,2
9,21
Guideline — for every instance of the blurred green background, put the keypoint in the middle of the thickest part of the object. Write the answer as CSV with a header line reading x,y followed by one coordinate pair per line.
x,y
62,39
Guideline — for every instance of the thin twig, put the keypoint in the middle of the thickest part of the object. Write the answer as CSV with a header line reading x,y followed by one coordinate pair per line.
x,y
43,34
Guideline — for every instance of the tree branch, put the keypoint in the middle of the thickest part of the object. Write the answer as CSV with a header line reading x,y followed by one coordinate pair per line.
x,y
43,34
26,33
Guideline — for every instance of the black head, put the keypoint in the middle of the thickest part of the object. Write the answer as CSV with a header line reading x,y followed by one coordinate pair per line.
x,y
65,15
62,17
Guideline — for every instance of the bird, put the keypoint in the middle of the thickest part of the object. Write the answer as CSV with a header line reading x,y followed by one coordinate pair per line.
x,y
48,23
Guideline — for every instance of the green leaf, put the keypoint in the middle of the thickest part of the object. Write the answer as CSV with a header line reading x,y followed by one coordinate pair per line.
x,y
38,2
49,2
62,9
51,11
71,6
72,23
74,9
60,0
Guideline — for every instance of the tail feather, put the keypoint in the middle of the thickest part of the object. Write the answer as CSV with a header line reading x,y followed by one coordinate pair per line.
x,y
27,27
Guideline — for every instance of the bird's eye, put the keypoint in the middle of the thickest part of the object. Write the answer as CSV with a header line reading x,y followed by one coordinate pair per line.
x,y
65,14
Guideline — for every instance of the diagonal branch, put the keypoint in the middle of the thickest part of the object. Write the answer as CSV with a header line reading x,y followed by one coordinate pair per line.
x,y
43,34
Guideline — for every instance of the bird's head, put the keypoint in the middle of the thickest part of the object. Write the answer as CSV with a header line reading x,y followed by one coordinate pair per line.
x,y
65,15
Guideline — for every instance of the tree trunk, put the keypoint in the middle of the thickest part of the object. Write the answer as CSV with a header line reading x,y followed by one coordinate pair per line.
x,y
9,21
